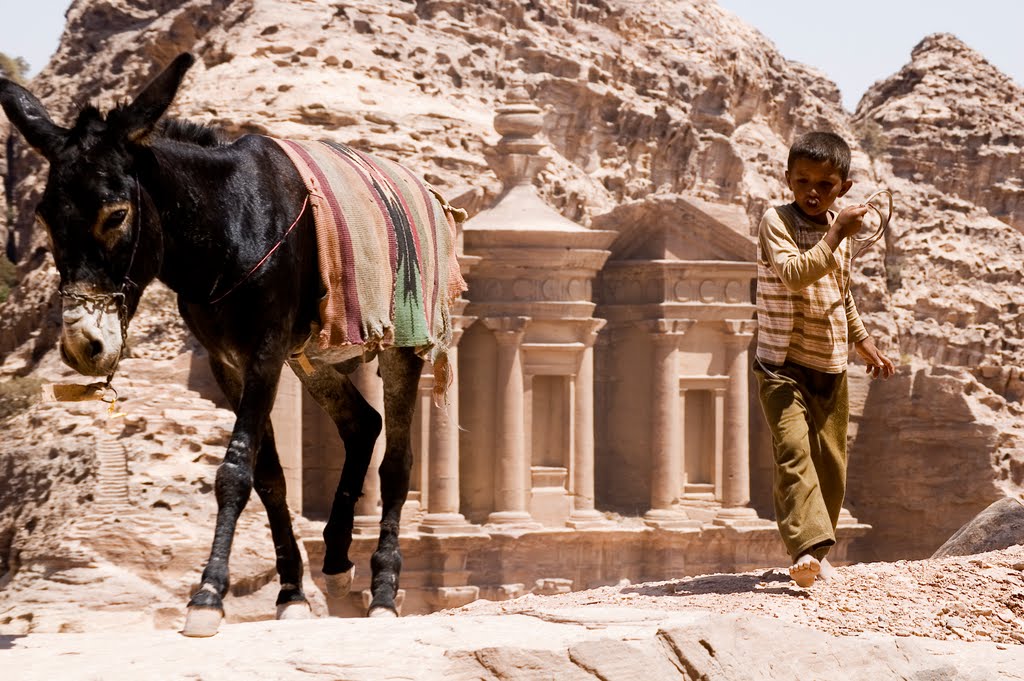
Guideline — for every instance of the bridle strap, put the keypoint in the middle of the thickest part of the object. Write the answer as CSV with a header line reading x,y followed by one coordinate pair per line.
x,y
138,235
119,298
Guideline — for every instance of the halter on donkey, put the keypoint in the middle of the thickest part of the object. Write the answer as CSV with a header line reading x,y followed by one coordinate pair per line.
x,y
130,198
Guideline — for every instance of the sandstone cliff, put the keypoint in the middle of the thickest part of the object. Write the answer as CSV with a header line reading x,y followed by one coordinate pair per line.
x,y
640,99
634,103
930,447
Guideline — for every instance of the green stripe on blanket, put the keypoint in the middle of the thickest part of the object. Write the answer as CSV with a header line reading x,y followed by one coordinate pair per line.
x,y
386,244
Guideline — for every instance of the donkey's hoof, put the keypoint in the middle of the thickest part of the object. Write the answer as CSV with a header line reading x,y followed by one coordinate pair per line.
x,y
381,611
295,610
340,584
202,622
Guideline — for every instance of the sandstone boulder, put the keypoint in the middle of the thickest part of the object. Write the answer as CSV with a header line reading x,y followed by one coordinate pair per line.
x,y
997,527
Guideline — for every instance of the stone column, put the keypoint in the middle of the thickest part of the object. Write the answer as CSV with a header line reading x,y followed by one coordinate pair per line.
x,y
666,425
683,474
736,433
511,469
718,399
443,515
368,507
584,514
286,417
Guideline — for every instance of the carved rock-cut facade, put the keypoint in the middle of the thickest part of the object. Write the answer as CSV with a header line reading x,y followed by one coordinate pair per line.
x,y
645,319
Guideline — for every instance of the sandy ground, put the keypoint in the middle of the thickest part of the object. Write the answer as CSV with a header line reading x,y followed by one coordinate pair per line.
x,y
970,598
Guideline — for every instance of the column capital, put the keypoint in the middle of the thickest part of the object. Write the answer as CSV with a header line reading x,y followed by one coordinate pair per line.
x,y
459,324
507,329
672,328
591,329
739,329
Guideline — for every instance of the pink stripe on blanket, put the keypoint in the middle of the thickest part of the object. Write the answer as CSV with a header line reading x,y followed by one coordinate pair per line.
x,y
353,329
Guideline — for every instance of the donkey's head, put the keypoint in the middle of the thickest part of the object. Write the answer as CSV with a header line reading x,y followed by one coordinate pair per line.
x,y
93,210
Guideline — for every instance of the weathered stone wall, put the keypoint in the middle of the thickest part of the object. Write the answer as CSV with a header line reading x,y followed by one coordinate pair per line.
x,y
929,449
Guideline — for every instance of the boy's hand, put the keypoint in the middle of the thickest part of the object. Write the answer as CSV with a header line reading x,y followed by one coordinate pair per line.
x,y
877,363
850,220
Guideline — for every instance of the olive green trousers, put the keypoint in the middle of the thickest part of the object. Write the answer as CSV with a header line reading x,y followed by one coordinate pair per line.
x,y
807,412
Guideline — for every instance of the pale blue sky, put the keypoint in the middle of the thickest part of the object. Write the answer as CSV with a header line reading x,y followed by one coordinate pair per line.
x,y
853,43
858,43
31,29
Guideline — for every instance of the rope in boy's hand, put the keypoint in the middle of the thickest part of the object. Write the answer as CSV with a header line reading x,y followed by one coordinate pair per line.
x,y
864,243
861,244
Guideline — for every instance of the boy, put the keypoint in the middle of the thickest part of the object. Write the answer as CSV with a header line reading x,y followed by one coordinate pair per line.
x,y
805,326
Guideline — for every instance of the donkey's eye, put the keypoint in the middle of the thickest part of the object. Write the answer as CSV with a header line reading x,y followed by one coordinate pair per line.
x,y
110,223
115,219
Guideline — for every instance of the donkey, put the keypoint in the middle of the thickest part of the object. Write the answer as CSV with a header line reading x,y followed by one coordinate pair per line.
x,y
130,198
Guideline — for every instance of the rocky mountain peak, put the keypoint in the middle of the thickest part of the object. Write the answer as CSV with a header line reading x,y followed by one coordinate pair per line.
x,y
946,45
951,118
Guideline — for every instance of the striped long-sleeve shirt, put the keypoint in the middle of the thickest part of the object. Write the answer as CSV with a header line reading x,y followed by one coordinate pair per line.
x,y
801,314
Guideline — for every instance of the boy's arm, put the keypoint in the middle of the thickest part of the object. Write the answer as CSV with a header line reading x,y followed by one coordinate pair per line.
x,y
857,332
797,270
877,363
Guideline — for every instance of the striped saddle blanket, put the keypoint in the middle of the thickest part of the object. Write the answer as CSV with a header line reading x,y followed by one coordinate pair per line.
x,y
386,241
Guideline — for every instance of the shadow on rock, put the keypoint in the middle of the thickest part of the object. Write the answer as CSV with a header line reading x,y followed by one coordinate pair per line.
x,y
7,641
772,582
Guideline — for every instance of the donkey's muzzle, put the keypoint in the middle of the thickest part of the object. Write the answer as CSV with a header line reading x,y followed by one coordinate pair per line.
x,y
90,339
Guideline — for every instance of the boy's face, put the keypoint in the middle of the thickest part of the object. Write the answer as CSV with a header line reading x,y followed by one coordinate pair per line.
x,y
815,186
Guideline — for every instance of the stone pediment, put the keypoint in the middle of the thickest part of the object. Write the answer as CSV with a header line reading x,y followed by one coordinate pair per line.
x,y
679,227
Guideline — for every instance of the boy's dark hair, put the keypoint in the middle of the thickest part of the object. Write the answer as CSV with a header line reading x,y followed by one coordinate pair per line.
x,y
822,146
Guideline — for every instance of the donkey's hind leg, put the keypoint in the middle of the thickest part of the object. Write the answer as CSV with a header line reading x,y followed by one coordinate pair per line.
x,y
400,368
359,425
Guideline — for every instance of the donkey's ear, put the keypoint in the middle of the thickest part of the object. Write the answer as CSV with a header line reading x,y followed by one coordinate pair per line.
x,y
140,117
29,116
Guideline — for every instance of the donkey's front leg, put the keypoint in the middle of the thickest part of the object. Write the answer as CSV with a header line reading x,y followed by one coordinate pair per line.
x,y
232,488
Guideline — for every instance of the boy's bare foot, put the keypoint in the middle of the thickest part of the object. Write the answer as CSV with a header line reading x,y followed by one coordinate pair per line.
x,y
827,573
805,570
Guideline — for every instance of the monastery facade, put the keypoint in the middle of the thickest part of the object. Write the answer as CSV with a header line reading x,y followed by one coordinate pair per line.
x,y
602,424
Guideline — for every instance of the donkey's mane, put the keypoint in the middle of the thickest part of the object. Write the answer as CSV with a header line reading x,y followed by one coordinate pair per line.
x,y
188,131
89,127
